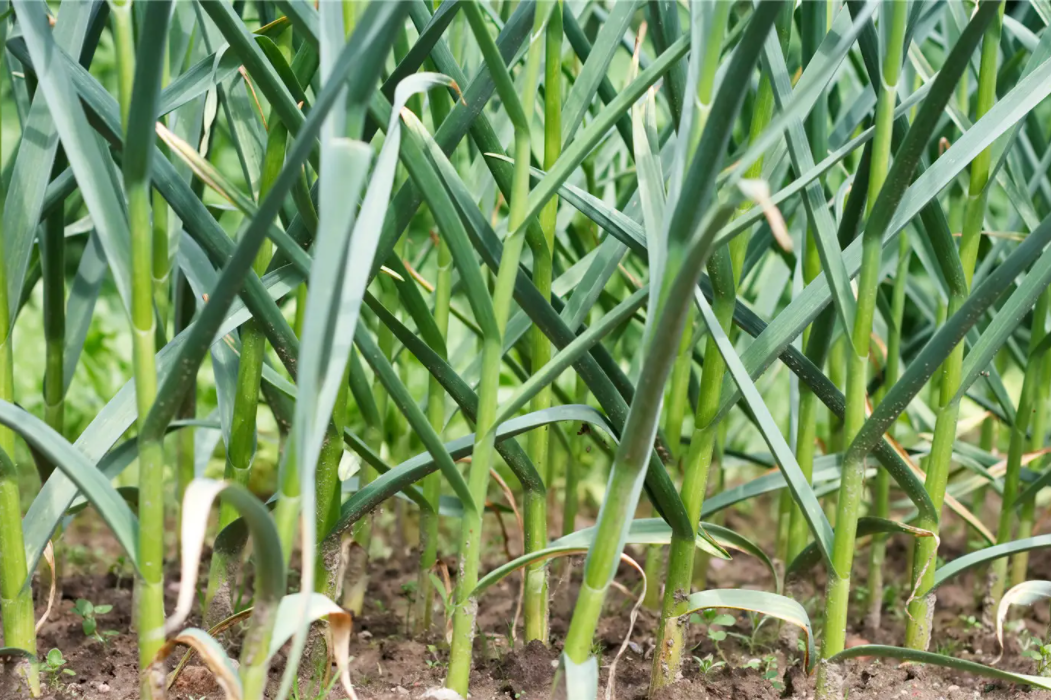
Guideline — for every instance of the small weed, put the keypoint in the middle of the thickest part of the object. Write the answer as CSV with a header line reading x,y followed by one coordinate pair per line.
x,y
511,634
121,570
1036,649
87,611
433,660
708,664
713,621
321,695
54,669
949,647
769,668
750,640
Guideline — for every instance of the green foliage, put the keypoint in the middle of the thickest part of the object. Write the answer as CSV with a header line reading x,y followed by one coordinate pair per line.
x,y
87,612
54,669
304,231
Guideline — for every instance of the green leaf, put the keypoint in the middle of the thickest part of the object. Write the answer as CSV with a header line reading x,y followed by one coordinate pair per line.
x,y
414,415
730,539
791,321
762,602
89,163
802,493
768,483
430,35
984,556
640,531
32,167
461,393
586,139
813,81
927,657
195,81
867,525
339,276
16,653
414,469
79,470
83,294
955,328
587,82
1006,320
565,357
266,77
652,195
818,214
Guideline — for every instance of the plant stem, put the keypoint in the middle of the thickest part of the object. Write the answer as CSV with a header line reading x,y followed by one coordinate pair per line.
x,y
286,513
440,104
724,270
837,372
881,495
579,441
184,442
432,484
857,375
1026,416
16,601
150,591
161,255
851,488
535,601
816,340
678,387
674,416
688,251
813,27
465,608
573,470
1020,561
667,658
124,46
987,442
52,264
377,432
327,489
921,609
241,451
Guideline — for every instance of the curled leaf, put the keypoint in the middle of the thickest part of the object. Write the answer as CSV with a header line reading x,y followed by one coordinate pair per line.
x,y
211,652
1025,593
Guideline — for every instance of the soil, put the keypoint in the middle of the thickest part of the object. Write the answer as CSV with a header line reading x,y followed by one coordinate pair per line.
x,y
389,664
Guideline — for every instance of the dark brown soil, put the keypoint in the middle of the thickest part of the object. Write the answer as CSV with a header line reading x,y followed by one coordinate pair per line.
x,y
389,664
